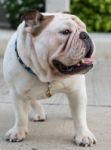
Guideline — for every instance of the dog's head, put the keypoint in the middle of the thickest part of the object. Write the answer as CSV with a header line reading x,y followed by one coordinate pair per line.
x,y
61,42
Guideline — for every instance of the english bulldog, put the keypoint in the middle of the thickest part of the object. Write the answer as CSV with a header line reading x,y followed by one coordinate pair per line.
x,y
49,53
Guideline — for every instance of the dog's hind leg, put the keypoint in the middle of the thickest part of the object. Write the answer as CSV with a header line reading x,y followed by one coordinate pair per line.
x,y
37,113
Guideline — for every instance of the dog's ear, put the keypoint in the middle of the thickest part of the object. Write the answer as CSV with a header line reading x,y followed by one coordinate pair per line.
x,y
32,19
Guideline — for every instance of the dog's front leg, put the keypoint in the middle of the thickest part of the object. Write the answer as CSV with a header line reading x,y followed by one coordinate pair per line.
x,y
20,129
78,103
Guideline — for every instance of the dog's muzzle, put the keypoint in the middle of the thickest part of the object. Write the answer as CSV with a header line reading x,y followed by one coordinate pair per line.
x,y
84,64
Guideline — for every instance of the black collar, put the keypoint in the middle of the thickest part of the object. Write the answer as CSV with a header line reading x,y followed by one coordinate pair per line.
x,y
22,63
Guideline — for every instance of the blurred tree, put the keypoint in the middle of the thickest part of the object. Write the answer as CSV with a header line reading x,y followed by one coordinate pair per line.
x,y
95,13
15,8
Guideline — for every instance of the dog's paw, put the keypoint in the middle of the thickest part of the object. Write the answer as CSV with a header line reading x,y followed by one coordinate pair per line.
x,y
84,138
34,117
16,134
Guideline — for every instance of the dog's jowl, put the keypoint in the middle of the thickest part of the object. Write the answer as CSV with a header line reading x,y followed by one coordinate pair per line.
x,y
49,53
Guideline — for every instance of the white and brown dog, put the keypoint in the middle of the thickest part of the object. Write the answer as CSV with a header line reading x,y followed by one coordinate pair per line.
x,y
49,53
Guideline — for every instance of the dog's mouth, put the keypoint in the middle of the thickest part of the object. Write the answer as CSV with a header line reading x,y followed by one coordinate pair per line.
x,y
83,66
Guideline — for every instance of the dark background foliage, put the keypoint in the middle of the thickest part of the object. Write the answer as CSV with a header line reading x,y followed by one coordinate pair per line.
x,y
95,13
15,8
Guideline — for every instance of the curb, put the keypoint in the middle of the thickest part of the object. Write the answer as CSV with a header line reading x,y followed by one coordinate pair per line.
x,y
5,35
102,42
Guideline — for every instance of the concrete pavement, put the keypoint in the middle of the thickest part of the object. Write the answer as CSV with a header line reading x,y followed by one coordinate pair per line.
x,y
57,132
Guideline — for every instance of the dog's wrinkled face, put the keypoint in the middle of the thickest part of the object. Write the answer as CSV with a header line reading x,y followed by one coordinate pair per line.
x,y
61,42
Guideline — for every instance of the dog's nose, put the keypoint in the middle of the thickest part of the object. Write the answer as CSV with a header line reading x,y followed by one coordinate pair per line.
x,y
84,36
88,43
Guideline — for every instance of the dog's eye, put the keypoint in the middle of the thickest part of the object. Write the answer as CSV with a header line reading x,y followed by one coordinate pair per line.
x,y
65,32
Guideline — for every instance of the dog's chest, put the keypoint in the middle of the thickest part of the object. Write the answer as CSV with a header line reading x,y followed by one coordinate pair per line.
x,y
38,90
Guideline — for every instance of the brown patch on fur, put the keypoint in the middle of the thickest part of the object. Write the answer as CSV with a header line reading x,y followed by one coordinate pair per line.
x,y
31,15
46,20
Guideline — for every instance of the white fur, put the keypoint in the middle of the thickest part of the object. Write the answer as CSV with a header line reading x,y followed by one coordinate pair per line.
x,y
26,88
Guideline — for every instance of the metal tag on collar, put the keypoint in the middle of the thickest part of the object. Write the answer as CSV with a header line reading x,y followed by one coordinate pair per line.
x,y
48,92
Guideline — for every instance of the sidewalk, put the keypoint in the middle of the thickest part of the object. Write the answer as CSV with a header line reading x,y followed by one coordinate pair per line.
x,y
57,132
